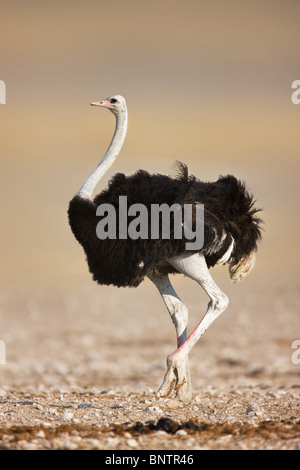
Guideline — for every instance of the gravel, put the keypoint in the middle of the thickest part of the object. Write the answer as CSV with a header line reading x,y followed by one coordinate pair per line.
x,y
74,381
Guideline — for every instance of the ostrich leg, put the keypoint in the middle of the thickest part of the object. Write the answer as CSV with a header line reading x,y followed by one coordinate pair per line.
x,y
179,379
193,266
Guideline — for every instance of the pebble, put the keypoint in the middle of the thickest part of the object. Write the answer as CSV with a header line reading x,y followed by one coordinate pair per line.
x,y
132,443
155,409
198,399
68,444
181,432
231,419
67,415
94,443
28,445
174,403
253,410
189,442
111,441
46,424
160,432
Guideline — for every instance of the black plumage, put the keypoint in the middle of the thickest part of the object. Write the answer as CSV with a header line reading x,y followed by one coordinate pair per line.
x,y
229,216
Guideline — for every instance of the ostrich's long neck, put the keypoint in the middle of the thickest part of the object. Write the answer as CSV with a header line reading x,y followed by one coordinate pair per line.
x,y
112,152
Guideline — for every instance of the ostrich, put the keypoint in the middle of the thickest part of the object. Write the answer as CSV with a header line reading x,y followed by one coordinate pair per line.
x,y
231,235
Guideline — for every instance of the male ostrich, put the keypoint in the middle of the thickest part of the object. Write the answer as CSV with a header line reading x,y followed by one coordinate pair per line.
x,y
231,234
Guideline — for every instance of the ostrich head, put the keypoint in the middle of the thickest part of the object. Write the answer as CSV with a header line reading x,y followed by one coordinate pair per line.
x,y
116,104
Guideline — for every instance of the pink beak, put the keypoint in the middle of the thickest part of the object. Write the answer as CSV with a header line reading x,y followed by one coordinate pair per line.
x,y
105,104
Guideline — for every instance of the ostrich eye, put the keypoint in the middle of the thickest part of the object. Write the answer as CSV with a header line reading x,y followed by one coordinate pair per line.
x,y
113,101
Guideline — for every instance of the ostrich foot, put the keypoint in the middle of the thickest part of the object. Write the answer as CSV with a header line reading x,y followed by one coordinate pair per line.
x,y
177,378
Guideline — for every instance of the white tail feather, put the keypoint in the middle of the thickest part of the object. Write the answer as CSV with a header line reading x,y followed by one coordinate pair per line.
x,y
241,269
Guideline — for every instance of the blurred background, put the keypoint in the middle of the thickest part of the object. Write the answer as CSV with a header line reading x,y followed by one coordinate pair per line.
x,y
206,82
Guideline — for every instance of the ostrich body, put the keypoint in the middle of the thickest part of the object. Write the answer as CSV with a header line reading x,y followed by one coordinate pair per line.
x,y
231,234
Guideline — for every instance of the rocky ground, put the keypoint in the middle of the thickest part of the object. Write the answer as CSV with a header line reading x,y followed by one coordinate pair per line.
x,y
82,367
240,419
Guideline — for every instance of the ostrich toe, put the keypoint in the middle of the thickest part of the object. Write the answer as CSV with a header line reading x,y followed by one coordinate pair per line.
x,y
177,379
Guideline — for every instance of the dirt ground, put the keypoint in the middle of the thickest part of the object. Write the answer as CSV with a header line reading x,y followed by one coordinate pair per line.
x,y
83,364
